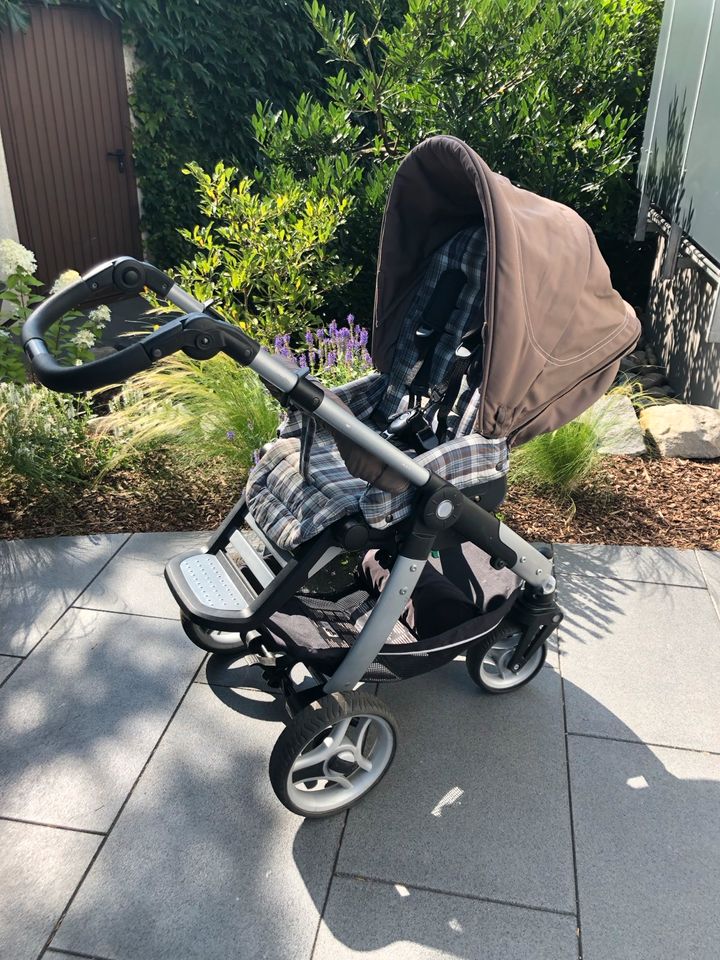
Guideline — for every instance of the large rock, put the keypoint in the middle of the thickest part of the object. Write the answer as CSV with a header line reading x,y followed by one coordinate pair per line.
x,y
683,430
620,432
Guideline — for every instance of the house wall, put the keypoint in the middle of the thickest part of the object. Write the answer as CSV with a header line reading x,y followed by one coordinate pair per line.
x,y
679,178
8,225
679,317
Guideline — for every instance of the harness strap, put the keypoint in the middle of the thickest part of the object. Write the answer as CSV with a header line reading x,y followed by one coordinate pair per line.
x,y
467,354
307,436
433,322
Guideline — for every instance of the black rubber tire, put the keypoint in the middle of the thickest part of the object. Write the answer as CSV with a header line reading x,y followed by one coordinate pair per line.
x,y
477,652
204,639
308,724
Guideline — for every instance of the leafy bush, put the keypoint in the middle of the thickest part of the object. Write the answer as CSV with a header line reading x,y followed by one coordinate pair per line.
x,y
551,94
264,253
200,410
45,440
73,337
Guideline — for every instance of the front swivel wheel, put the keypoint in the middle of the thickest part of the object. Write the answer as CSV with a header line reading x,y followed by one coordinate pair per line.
x,y
332,753
488,660
213,641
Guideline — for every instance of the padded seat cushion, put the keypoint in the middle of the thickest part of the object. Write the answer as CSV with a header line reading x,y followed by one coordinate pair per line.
x,y
291,510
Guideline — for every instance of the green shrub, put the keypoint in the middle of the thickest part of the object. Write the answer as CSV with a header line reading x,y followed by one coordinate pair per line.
x,y
72,338
45,439
551,94
264,254
560,461
200,410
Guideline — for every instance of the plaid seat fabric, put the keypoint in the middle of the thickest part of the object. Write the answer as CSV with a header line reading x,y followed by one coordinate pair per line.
x,y
288,508
466,251
464,461
292,510
293,501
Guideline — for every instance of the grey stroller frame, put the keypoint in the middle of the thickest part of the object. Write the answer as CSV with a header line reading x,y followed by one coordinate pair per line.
x,y
540,368
443,514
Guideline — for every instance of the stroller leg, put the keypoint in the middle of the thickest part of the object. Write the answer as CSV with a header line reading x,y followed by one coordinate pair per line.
x,y
387,611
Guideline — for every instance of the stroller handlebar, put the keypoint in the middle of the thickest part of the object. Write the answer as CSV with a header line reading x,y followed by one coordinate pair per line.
x,y
126,276
122,275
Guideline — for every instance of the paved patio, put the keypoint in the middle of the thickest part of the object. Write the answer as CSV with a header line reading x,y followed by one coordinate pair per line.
x,y
577,817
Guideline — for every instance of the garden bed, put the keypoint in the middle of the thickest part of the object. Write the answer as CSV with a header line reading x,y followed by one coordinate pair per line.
x,y
663,502
634,500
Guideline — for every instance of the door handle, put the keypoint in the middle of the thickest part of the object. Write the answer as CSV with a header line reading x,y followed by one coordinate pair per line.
x,y
118,155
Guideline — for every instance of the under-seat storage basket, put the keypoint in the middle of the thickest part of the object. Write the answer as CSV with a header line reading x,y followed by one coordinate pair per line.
x,y
319,632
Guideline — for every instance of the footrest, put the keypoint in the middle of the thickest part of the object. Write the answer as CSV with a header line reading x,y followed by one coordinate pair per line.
x,y
212,584
210,589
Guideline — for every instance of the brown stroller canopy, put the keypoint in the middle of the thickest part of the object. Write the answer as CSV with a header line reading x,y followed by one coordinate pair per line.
x,y
556,329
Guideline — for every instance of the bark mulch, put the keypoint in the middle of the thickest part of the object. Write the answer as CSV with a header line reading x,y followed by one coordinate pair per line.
x,y
633,500
154,497
651,502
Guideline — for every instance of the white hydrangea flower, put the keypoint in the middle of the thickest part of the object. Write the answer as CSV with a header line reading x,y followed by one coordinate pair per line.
x,y
4,334
14,255
100,315
84,338
64,280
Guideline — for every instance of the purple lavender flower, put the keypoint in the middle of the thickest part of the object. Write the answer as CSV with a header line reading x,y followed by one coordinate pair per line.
x,y
367,359
350,319
364,336
309,337
284,351
278,343
322,335
331,359
230,434
344,333
333,328
349,354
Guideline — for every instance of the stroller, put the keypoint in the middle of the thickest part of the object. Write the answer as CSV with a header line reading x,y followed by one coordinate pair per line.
x,y
495,320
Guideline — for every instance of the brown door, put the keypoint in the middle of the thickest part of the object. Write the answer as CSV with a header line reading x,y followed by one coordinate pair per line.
x,y
66,132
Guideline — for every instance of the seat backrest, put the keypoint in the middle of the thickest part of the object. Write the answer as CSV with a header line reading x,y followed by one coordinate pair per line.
x,y
449,304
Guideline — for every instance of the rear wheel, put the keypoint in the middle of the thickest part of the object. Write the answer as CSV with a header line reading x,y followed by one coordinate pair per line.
x,y
487,661
333,753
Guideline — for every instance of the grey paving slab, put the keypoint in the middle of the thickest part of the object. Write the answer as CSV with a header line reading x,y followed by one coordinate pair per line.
x,y
710,566
204,862
648,850
648,564
393,922
238,671
39,869
641,661
476,800
82,714
7,665
134,581
41,578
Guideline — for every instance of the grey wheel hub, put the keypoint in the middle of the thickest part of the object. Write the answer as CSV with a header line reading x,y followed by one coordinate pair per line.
x,y
336,771
495,669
